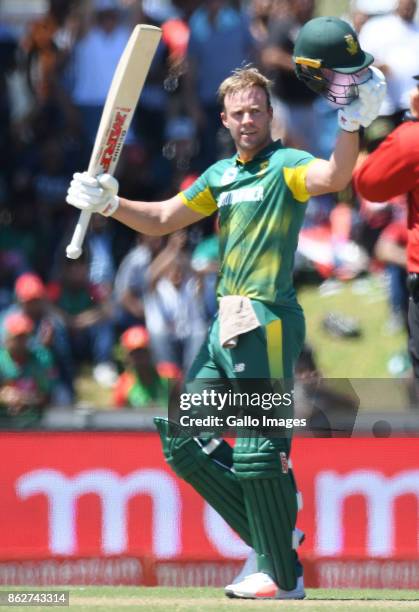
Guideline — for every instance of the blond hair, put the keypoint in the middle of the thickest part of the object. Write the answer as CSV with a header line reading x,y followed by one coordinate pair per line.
x,y
242,78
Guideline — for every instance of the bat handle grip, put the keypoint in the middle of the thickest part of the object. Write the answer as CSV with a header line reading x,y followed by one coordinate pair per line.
x,y
74,249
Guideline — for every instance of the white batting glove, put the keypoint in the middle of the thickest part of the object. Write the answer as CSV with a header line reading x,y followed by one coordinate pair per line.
x,y
363,110
96,195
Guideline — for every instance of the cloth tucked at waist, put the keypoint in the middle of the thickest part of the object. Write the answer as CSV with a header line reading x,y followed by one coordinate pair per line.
x,y
237,316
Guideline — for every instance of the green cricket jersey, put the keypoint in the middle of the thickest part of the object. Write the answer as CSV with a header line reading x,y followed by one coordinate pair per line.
x,y
35,375
261,205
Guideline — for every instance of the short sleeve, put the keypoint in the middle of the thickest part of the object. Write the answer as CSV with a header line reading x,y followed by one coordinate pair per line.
x,y
295,171
199,197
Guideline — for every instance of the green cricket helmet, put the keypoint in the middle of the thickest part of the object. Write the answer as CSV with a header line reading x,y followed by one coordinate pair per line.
x,y
329,60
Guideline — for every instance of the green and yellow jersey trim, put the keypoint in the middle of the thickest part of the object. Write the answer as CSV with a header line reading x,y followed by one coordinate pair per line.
x,y
274,346
203,203
295,179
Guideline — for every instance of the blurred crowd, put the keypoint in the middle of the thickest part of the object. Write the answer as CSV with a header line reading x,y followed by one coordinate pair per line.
x,y
135,308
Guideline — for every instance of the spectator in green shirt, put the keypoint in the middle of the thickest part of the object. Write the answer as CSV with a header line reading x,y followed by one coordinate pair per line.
x,y
26,375
141,384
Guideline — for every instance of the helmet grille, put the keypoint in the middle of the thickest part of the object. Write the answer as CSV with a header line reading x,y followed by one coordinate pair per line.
x,y
339,88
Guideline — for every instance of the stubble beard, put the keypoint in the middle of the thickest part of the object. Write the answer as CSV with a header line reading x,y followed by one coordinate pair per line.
x,y
256,145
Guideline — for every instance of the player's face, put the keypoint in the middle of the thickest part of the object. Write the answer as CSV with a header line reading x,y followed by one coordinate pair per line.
x,y
248,118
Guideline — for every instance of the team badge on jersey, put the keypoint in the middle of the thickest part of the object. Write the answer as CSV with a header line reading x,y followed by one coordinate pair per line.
x,y
263,167
229,175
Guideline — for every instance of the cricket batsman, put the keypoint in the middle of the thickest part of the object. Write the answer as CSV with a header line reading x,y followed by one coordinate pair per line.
x,y
260,194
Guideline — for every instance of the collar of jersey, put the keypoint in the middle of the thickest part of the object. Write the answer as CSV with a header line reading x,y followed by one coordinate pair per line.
x,y
263,154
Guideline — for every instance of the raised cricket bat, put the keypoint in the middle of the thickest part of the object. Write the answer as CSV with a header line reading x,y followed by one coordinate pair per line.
x,y
123,95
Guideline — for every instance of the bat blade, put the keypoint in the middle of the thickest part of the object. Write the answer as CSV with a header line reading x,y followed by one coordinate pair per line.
x,y
122,98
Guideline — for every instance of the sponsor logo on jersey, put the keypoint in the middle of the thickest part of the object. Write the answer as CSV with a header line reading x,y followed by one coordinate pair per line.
x,y
229,175
246,194
239,367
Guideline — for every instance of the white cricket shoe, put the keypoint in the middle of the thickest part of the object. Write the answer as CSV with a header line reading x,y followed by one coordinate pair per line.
x,y
261,586
250,565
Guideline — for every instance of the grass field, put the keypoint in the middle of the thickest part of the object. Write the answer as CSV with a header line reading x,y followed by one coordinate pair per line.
x,y
161,599
366,301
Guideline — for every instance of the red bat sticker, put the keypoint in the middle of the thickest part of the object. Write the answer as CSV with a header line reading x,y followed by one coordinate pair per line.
x,y
114,136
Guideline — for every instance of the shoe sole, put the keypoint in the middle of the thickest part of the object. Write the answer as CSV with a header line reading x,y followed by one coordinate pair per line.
x,y
232,595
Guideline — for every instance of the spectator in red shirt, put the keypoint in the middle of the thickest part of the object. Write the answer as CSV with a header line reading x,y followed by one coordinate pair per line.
x,y
393,169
